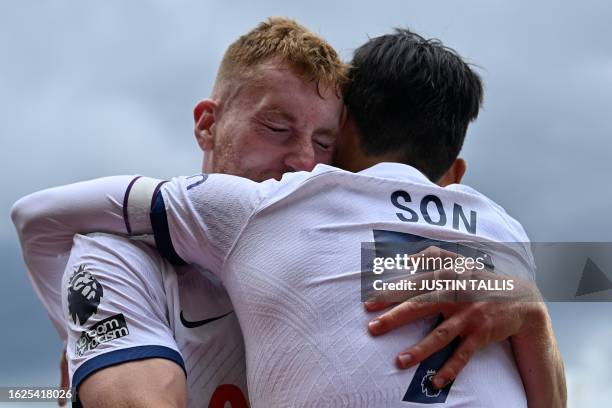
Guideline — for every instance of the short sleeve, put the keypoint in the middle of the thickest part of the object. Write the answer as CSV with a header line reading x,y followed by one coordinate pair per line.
x,y
197,219
114,305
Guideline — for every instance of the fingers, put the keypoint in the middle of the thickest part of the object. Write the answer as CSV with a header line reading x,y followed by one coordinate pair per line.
x,y
441,336
405,313
374,306
454,365
64,381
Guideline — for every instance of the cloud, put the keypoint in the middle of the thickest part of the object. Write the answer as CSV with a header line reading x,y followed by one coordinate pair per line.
x,y
589,378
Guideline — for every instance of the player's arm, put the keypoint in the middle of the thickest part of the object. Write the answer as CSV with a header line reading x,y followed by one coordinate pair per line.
x,y
521,317
197,219
47,220
114,288
205,214
539,362
145,383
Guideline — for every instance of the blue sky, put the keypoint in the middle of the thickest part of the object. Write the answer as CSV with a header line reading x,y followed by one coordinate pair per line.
x,y
96,88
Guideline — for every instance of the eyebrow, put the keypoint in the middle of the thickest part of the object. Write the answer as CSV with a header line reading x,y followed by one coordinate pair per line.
x,y
326,131
284,114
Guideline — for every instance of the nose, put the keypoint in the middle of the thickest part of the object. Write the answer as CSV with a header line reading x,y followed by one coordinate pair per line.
x,y
302,156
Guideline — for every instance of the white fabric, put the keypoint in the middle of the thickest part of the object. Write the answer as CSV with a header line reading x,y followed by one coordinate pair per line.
x,y
151,294
47,220
289,255
139,204
132,275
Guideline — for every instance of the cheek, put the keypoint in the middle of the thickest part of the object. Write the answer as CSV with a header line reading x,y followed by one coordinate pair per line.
x,y
249,149
255,153
262,145
238,140
256,158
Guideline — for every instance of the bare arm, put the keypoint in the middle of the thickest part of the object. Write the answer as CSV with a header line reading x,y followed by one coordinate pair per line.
x,y
153,382
518,315
479,324
539,362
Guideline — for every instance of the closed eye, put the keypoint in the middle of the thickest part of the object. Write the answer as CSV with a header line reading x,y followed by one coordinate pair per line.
x,y
324,146
276,129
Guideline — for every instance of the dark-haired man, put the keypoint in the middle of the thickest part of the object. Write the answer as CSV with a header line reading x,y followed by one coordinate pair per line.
x,y
423,122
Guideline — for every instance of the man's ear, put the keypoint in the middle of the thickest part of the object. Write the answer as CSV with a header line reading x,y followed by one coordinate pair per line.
x,y
454,174
204,116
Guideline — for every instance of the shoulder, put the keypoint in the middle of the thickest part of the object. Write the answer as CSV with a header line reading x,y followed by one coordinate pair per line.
x,y
107,250
272,190
504,226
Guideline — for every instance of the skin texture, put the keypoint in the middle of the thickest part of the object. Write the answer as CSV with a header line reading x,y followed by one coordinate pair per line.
x,y
269,123
153,382
546,372
64,377
522,318
259,127
519,315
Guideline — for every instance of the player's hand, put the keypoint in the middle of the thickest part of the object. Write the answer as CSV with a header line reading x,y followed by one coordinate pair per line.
x,y
477,319
64,381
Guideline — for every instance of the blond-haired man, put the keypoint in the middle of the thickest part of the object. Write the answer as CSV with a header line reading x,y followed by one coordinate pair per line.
x,y
134,324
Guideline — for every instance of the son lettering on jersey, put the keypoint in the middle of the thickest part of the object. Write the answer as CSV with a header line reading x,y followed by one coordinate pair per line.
x,y
432,211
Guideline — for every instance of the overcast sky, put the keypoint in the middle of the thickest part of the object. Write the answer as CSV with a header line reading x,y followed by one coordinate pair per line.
x,y
97,88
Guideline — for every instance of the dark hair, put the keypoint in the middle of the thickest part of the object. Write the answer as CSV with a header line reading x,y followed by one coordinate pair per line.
x,y
414,97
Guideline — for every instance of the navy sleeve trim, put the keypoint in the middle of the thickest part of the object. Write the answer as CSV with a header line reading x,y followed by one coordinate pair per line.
x,y
126,217
123,356
161,231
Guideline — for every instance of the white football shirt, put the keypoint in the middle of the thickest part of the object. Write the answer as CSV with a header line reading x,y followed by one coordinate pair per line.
x,y
119,301
124,302
289,254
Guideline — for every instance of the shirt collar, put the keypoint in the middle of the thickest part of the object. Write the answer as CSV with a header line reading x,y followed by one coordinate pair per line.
x,y
395,171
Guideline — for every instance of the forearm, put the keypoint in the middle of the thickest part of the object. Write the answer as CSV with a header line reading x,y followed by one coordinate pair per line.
x,y
47,220
539,362
60,212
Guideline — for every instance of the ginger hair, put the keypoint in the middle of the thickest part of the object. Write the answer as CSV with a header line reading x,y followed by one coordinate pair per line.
x,y
283,41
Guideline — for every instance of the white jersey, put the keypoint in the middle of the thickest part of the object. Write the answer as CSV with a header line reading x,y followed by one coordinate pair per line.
x,y
289,254
123,302
141,306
